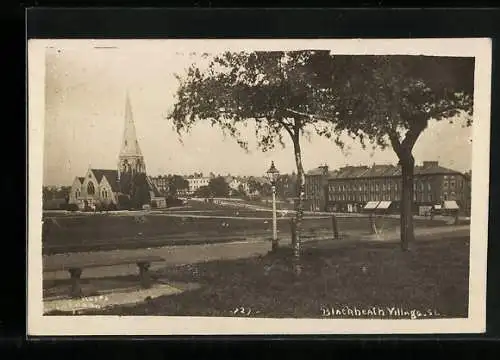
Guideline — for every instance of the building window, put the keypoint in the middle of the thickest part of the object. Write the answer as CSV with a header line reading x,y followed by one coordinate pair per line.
x,y
376,187
429,197
90,188
452,184
445,184
453,196
422,186
445,196
429,186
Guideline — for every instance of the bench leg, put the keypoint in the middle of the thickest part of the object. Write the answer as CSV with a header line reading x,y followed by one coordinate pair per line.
x,y
144,275
76,289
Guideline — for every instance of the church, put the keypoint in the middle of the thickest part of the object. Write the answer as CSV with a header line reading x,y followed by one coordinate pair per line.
x,y
117,188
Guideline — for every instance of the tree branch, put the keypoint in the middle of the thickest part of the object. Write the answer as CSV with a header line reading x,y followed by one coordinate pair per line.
x,y
319,117
412,135
396,145
286,126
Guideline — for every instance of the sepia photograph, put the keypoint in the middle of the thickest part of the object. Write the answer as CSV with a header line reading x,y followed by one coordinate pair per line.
x,y
258,186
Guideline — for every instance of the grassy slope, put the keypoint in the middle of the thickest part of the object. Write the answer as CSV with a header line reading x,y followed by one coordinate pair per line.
x,y
433,276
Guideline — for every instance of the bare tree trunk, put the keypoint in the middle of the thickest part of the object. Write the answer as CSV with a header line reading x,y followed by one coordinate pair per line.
x,y
299,205
406,217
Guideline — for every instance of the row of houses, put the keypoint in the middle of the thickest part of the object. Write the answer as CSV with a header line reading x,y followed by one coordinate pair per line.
x,y
350,188
197,181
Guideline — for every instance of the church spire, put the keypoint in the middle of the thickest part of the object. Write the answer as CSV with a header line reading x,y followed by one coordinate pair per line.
x,y
130,145
130,159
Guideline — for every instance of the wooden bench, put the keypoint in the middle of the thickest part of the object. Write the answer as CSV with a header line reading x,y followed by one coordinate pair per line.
x,y
76,268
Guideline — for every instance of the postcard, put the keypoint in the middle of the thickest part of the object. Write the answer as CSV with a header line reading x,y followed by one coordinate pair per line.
x,y
243,187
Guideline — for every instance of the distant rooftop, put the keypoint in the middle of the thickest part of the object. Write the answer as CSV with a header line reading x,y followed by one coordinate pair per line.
x,y
381,170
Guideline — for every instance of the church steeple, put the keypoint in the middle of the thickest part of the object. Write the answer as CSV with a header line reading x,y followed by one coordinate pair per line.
x,y
130,158
130,145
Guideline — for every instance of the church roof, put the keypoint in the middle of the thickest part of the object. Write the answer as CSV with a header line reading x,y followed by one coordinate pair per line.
x,y
81,179
111,176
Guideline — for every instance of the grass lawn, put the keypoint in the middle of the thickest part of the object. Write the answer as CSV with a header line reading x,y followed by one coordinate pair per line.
x,y
108,232
432,277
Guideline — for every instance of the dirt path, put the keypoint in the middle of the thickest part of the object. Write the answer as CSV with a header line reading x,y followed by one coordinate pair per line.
x,y
188,254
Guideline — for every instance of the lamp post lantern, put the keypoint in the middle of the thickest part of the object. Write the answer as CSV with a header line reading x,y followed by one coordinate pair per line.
x,y
272,175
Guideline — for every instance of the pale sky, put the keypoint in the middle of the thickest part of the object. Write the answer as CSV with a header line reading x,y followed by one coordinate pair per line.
x,y
84,118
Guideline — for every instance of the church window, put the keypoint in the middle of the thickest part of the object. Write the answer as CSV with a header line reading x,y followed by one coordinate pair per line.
x,y
90,188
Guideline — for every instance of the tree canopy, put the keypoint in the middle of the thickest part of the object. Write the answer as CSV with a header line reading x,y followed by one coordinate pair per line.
x,y
219,187
389,100
273,88
176,183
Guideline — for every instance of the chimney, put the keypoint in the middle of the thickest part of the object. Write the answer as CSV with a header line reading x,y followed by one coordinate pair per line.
x,y
430,164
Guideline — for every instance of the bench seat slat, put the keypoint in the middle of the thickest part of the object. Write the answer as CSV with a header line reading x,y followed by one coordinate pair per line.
x,y
66,265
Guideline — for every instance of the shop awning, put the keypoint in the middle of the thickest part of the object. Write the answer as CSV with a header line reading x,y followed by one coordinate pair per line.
x,y
384,205
451,205
437,207
371,205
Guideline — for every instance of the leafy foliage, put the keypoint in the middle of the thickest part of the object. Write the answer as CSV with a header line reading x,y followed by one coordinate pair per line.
x,y
219,187
176,183
275,89
203,191
389,100
140,193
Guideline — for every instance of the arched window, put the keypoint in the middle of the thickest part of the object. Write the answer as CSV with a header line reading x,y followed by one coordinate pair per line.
x,y
90,188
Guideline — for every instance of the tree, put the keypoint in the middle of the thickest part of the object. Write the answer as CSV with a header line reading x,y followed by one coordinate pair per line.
x,y
239,192
389,100
285,186
203,191
47,194
273,89
140,190
219,187
176,183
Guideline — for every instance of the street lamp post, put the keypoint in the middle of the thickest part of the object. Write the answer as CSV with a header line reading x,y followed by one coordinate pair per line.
x,y
272,175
